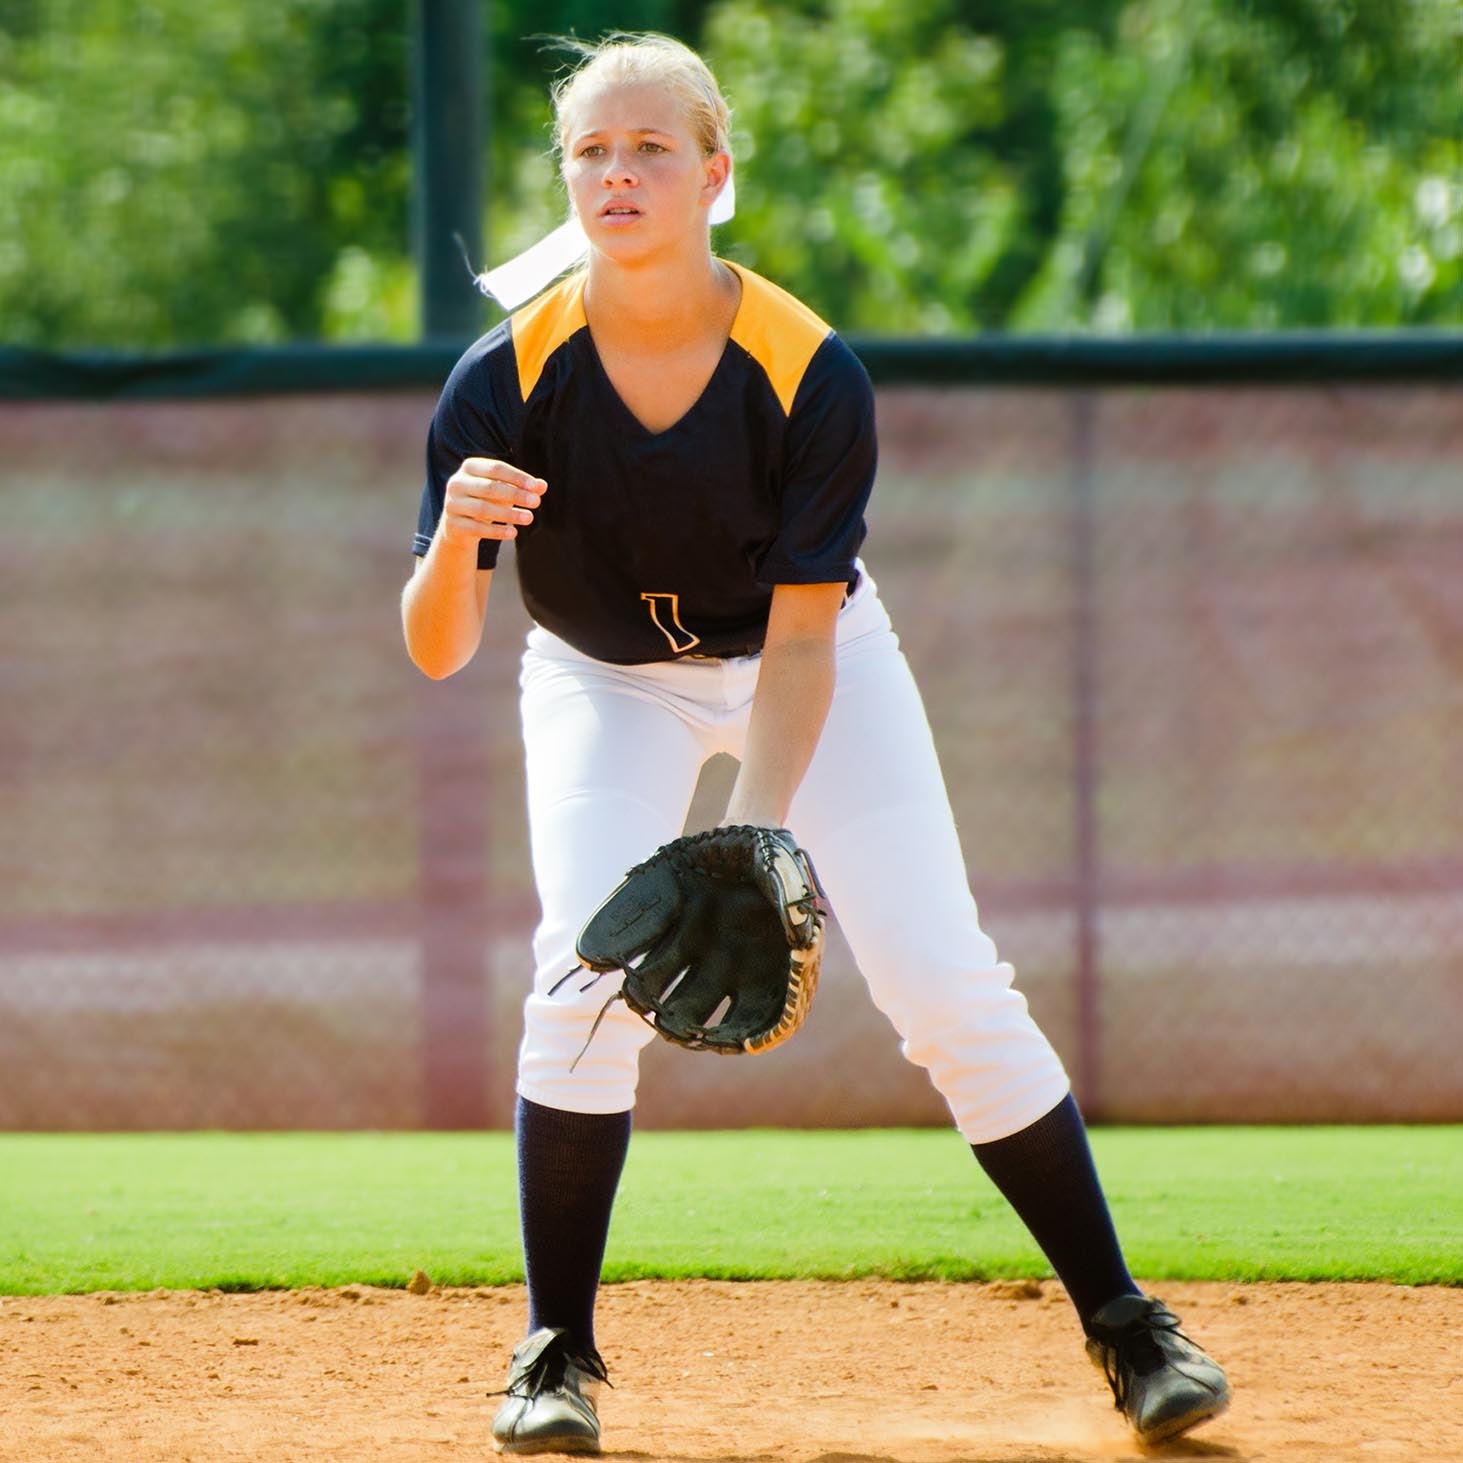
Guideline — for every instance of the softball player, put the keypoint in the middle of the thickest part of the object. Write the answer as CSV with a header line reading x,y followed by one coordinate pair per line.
x,y
683,453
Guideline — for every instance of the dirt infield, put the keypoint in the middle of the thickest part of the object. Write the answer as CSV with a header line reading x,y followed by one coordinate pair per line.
x,y
863,1372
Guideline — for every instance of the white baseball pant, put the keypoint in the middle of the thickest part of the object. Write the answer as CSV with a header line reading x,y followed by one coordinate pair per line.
x,y
613,756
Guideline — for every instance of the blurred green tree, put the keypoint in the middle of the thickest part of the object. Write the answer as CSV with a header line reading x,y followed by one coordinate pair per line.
x,y
173,173
1237,164
936,166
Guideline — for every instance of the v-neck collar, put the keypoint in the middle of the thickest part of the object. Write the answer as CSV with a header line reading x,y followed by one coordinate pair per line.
x,y
716,370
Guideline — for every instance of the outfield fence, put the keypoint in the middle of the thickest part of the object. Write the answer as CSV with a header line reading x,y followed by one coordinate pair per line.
x,y
1188,618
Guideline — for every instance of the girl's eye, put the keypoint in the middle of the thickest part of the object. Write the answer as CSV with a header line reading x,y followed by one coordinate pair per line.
x,y
596,149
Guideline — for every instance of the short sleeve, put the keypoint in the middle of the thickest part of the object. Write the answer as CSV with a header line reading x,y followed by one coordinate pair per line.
x,y
467,423
830,455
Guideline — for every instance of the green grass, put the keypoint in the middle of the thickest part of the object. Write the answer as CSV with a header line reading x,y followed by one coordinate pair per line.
x,y
250,1211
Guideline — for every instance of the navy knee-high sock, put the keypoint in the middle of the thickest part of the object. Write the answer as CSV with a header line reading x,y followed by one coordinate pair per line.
x,y
1047,1176
569,1167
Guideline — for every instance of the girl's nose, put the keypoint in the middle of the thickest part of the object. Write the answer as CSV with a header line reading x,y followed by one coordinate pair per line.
x,y
618,169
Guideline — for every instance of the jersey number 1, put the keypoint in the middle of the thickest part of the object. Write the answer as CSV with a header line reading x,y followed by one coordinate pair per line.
x,y
665,615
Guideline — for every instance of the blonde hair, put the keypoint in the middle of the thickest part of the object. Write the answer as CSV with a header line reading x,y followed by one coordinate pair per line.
x,y
646,59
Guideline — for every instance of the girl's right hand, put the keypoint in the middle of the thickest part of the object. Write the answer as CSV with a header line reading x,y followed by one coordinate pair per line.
x,y
486,498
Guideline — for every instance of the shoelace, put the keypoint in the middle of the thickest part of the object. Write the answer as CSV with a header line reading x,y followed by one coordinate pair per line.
x,y
547,1372
1136,1353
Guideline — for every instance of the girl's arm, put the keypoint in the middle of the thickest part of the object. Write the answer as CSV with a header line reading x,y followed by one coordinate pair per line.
x,y
443,607
794,691
446,599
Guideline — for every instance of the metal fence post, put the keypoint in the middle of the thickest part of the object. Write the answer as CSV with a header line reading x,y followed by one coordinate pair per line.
x,y
447,205
447,163
1086,754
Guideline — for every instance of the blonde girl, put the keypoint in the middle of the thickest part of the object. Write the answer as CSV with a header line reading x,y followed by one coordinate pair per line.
x,y
681,454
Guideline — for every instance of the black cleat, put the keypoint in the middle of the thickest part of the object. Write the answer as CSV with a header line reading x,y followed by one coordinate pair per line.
x,y
552,1382
1160,1380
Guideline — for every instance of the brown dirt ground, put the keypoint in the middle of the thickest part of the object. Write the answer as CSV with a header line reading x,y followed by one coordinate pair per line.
x,y
862,1372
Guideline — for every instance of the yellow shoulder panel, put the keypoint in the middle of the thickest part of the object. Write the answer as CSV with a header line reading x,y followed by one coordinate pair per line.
x,y
540,328
777,331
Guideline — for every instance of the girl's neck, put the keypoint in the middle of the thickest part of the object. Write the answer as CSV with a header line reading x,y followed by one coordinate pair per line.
x,y
660,305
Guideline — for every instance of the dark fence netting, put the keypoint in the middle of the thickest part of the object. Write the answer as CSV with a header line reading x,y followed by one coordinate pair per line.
x,y
1194,660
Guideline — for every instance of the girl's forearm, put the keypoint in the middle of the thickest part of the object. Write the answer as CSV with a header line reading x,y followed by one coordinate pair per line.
x,y
442,608
794,691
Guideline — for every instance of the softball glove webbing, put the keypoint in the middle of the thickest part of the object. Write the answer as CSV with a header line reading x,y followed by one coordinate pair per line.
x,y
720,936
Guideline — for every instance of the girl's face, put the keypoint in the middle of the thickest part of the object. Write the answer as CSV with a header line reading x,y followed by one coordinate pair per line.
x,y
636,173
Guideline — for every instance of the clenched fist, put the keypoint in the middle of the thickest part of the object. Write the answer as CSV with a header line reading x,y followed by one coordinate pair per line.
x,y
486,498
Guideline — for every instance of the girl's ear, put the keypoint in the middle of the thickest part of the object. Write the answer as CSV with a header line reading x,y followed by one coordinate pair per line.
x,y
718,170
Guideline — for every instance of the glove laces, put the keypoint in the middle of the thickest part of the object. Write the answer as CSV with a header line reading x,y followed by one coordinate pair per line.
x,y
603,1010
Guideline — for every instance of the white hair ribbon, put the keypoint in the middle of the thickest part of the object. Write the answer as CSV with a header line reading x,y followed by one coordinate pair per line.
x,y
523,276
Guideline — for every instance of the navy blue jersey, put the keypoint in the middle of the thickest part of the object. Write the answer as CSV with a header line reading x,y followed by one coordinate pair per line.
x,y
652,545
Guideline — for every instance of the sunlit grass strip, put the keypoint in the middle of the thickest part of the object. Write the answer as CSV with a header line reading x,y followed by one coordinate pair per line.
x,y
256,1211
